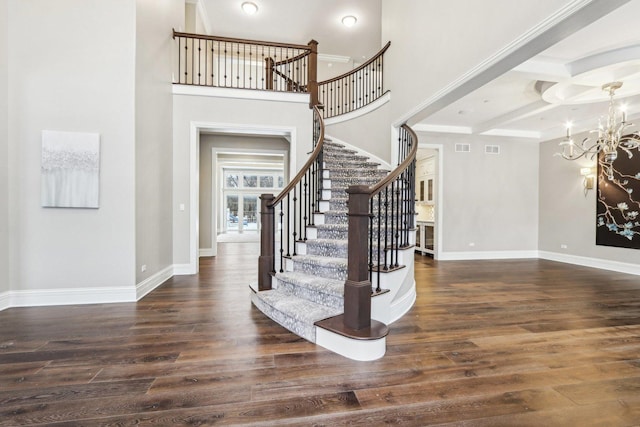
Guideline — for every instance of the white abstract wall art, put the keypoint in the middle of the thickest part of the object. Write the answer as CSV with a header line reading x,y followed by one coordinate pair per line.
x,y
70,169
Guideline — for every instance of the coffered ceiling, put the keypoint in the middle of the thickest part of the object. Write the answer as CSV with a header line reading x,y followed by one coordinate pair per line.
x,y
561,84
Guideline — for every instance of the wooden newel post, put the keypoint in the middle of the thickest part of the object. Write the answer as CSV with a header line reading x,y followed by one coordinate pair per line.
x,y
265,260
268,73
357,288
312,83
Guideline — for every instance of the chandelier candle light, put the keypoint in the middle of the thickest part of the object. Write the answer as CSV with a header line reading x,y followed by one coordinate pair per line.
x,y
611,136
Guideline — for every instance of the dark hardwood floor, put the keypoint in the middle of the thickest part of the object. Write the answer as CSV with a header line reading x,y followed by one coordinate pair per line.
x,y
488,343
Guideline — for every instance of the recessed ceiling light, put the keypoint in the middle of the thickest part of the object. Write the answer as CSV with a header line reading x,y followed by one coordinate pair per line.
x,y
349,21
249,8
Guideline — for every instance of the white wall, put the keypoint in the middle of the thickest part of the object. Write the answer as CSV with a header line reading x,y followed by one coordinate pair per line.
x,y
490,201
243,114
567,216
371,132
154,143
193,20
71,68
434,42
5,285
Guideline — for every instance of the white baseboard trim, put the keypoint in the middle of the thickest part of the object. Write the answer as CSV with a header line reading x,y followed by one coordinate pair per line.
x,y
205,252
183,269
152,282
72,296
604,264
5,300
462,256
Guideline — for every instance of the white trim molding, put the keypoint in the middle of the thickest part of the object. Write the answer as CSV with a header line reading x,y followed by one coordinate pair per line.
x,y
72,296
225,92
5,300
206,252
184,269
486,255
324,57
289,132
603,264
152,282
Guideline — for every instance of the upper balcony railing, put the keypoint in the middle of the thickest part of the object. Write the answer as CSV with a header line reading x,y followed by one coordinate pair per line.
x,y
354,89
246,64
225,62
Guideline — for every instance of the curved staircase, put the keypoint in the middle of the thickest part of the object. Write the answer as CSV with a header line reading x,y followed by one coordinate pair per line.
x,y
311,287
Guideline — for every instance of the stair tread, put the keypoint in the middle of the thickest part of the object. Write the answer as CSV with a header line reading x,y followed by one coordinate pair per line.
x,y
319,284
322,260
319,242
298,308
332,226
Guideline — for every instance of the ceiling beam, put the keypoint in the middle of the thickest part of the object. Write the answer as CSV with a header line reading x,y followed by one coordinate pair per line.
x,y
574,17
512,116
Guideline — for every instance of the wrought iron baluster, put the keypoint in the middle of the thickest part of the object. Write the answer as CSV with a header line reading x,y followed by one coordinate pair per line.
x,y
281,237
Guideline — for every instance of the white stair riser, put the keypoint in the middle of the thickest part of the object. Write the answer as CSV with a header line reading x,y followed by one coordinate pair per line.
x,y
324,205
318,219
362,350
301,248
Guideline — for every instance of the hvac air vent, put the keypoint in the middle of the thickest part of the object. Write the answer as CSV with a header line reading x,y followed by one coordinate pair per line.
x,y
492,149
463,148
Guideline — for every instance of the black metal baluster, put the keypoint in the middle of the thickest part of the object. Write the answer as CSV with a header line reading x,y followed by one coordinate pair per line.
x,y
371,225
386,225
379,196
225,64
306,213
288,225
393,234
281,237
397,219
295,200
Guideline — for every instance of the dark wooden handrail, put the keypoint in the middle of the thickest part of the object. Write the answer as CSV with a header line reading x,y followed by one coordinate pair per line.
x,y
394,174
292,83
244,41
292,211
361,67
295,58
314,155
355,89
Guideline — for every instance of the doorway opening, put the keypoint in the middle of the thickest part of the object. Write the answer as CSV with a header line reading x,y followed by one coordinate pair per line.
x,y
243,181
429,200
235,169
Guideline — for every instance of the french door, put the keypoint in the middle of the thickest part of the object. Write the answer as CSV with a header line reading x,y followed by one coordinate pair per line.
x,y
241,197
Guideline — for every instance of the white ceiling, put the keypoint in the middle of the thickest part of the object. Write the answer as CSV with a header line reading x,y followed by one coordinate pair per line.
x,y
514,105
299,21
511,105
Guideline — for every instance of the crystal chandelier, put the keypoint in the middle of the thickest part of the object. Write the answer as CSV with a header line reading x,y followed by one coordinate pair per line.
x,y
611,136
